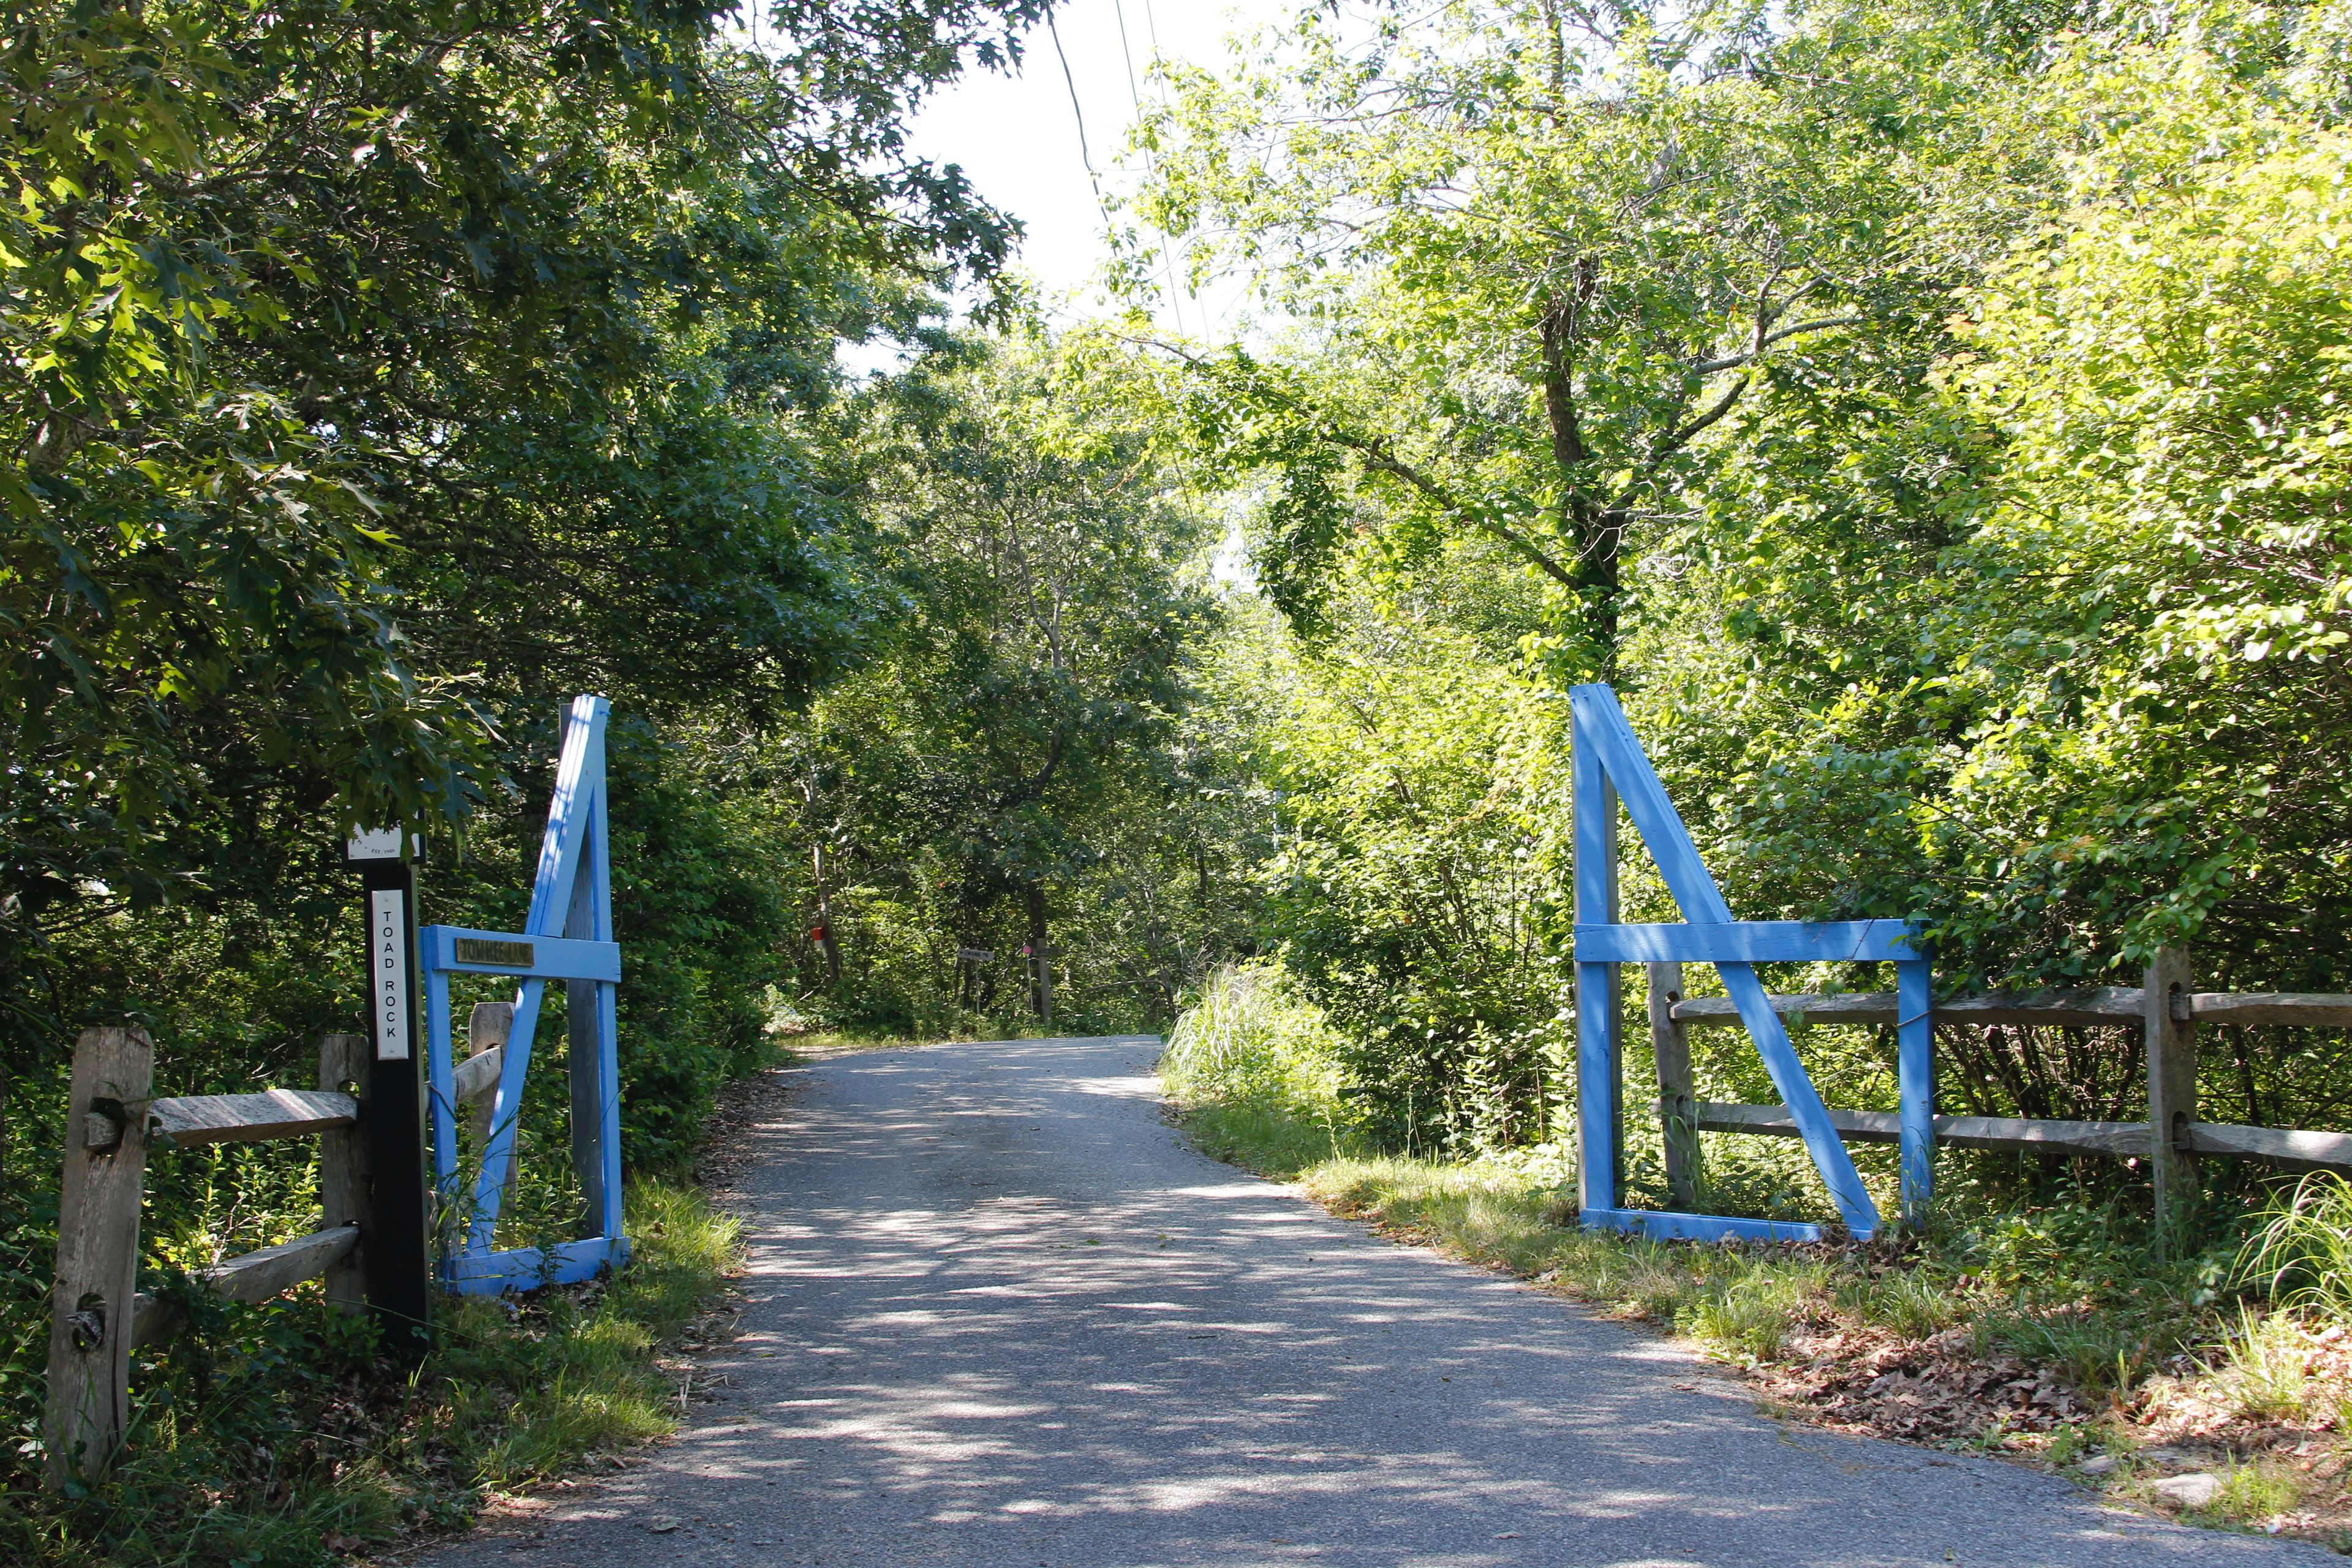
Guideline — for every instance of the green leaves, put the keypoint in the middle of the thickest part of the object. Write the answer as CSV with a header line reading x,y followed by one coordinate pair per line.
x,y
2035,644
374,372
1420,890
1531,283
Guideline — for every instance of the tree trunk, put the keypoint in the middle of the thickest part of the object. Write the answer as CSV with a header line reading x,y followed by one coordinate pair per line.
x,y
1597,530
826,937
1041,972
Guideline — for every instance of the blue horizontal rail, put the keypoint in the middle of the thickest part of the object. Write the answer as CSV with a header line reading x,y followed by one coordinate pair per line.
x,y
1665,1225
528,1267
463,951
1747,941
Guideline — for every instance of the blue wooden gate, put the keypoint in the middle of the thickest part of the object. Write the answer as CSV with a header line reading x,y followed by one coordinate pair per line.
x,y
1611,766
567,936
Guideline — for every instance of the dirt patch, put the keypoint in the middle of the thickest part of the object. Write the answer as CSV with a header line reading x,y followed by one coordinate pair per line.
x,y
741,1108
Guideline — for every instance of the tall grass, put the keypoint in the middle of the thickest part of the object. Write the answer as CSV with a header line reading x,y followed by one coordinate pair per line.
x,y
1260,1067
2303,1255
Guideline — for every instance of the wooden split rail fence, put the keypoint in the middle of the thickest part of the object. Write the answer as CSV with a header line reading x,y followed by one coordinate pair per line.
x,y
98,1315
2164,1009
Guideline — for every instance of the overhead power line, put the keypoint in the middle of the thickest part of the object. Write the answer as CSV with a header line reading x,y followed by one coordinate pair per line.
x,y
1086,155
1150,164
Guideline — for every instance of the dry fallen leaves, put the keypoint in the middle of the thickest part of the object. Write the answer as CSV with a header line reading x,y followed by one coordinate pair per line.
x,y
1922,1390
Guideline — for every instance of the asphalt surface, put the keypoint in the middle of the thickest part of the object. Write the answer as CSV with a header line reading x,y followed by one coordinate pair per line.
x,y
999,1314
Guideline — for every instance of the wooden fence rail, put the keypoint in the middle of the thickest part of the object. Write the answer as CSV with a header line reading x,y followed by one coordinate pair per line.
x,y
98,1314
2125,1005
2169,1027
2128,1140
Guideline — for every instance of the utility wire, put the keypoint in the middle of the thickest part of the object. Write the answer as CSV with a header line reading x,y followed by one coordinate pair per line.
x,y
1151,28
1119,9
1085,156
1166,261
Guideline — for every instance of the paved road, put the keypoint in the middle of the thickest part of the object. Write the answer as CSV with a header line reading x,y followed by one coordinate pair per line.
x,y
999,1315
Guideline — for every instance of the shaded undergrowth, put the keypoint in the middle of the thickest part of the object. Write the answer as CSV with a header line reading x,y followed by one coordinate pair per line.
x,y
272,1437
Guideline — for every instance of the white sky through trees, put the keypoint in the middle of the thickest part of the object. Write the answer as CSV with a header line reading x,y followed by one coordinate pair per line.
x,y
1017,137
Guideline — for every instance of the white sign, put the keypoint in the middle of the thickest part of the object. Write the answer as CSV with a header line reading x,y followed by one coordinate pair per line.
x,y
373,844
388,969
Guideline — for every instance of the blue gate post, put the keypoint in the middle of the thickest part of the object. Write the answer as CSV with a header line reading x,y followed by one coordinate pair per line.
x,y
1914,1041
1599,1126
592,1030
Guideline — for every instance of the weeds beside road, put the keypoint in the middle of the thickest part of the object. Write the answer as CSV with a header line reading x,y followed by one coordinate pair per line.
x,y
270,1437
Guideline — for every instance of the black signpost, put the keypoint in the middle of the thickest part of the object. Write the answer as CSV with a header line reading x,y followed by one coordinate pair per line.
x,y
397,1244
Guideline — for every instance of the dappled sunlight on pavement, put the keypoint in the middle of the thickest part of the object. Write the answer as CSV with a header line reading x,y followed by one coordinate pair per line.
x,y
999,1314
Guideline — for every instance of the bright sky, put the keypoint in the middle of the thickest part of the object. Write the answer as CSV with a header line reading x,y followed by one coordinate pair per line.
x,y
1017,136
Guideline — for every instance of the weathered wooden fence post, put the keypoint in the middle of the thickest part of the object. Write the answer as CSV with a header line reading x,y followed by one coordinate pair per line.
x,y
91,1312
1677,1104
487,1028
342,1168
2172,1051
1039,956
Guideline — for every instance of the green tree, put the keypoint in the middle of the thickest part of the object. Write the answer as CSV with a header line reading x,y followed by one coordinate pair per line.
x,y
1536,258
377,374
1419,893
1020,747
2054,658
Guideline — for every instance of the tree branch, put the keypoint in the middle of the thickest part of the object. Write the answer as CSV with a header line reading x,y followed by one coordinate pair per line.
x,y
1765,341
1668,445
1376,456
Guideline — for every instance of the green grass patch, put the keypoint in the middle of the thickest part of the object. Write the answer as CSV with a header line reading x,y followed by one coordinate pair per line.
x,y
1271,1140
799,1049
269,1438
794,1050
2252,1493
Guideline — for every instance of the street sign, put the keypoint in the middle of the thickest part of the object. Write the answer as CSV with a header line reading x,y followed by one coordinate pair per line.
x,y
493,953
380,844
396,1248
391,977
